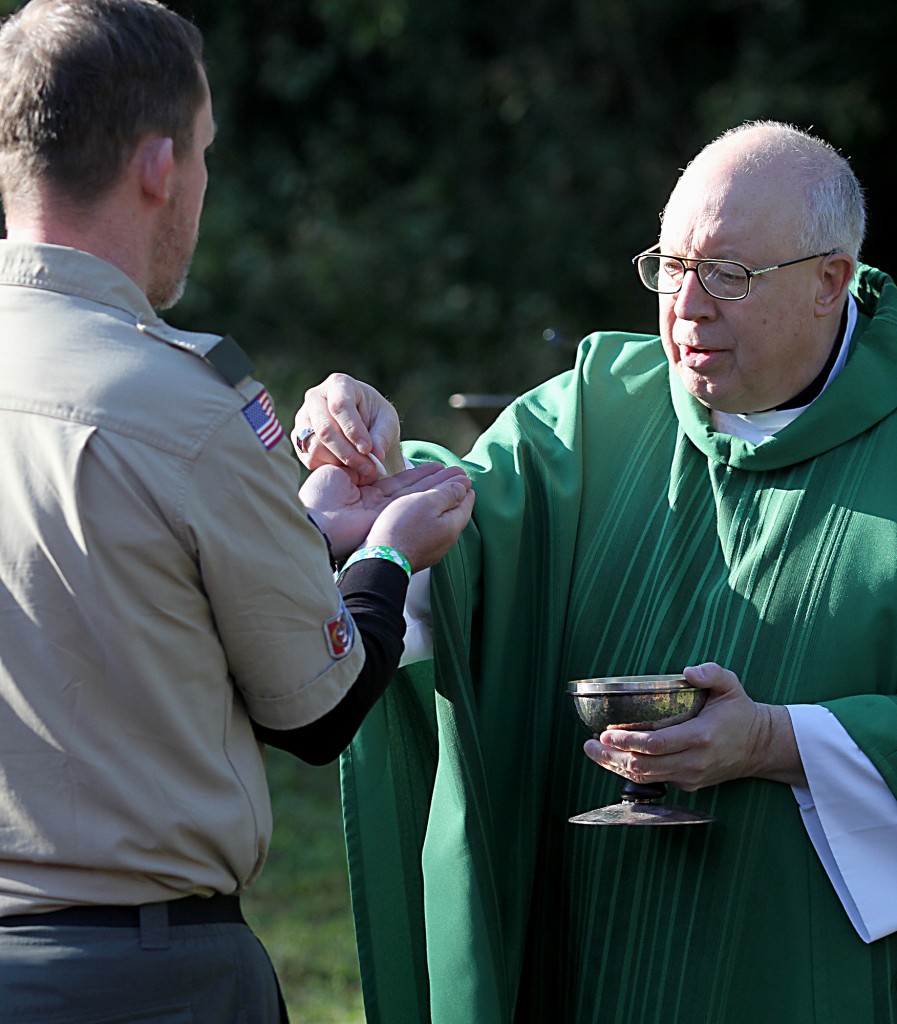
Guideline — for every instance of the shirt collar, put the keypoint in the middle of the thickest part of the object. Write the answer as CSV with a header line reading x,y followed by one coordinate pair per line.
x,y
58,268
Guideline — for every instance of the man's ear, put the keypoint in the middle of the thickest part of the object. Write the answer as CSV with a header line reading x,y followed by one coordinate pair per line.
x,y
835,276
153,161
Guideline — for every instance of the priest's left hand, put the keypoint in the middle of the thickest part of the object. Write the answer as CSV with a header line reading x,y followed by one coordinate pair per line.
x,y
733,737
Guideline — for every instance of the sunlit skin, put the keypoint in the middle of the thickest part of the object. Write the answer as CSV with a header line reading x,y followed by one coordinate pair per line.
x,y
178,229
754,354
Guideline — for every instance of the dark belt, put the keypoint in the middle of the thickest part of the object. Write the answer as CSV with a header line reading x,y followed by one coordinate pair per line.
x,y
187,910
152,919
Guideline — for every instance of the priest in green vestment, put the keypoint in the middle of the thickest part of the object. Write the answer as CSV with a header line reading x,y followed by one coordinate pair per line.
x,y
721,497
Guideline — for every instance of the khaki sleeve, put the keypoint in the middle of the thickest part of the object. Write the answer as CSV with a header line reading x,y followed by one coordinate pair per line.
x,y
292,648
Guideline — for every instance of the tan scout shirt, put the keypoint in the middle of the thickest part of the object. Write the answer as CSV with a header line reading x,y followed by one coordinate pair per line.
x,y
159,584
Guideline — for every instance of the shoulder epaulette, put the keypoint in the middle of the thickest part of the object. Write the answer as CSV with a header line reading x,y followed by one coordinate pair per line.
x,y
222,353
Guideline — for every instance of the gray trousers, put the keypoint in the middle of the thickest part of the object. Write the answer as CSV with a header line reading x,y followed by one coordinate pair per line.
x,y
167,974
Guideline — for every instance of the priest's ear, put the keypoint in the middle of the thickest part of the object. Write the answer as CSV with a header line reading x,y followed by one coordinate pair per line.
x,y
834,278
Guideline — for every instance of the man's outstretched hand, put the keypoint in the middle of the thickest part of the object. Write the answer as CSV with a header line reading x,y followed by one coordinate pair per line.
x,y
420,511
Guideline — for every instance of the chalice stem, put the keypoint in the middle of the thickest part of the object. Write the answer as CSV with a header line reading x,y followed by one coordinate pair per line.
x,y
642,792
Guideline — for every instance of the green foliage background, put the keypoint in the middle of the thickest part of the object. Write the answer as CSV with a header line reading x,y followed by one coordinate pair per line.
x,y
418,191
415,191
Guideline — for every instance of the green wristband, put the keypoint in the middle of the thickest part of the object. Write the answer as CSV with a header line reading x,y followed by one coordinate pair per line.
x,y
378,551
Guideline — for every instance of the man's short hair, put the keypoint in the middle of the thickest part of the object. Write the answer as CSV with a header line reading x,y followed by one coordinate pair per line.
x,y
82,82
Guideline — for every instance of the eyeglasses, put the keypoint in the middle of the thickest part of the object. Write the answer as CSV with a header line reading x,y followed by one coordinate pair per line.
x,y
721,279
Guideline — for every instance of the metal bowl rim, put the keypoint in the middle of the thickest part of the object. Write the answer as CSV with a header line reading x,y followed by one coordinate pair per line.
x,y
628,684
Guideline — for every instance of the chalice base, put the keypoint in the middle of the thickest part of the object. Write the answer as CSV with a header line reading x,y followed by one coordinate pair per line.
x,y
631,813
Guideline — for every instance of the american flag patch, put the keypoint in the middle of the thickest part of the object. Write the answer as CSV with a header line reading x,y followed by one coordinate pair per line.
x,y
260,413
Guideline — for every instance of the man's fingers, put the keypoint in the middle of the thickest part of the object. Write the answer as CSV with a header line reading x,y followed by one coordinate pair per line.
x,y
421,478
452,493
464,508
330,488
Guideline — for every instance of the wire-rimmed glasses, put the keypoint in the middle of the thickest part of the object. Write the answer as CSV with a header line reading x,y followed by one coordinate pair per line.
x,y
721,279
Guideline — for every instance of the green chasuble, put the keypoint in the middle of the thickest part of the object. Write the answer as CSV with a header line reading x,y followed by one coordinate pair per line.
x,y
616,533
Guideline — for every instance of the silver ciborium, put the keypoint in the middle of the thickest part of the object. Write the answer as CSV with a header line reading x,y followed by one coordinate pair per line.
x,y
637,703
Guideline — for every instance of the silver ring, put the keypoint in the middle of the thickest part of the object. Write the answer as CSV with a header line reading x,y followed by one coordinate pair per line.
x,y
303,437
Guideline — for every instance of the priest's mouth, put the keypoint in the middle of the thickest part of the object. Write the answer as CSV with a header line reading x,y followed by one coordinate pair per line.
x,y
702,358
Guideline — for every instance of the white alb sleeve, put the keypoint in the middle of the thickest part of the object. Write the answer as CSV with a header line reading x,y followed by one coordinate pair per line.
x,y
418,621
850,815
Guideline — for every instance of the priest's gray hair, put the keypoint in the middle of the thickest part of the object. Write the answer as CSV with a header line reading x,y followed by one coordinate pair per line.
x,y
835,211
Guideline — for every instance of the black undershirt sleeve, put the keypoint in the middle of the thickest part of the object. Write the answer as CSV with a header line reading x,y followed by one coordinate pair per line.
x,y
374,591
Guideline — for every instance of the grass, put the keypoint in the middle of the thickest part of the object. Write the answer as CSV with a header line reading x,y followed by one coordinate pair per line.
x,y
299,907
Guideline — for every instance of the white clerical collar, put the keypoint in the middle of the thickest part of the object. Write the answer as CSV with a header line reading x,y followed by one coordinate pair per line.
x,y
760,426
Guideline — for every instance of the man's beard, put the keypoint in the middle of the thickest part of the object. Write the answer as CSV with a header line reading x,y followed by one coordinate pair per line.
x,y
169,294
172,258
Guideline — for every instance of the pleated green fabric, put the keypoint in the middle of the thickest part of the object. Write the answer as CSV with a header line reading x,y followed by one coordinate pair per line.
x,y
616,533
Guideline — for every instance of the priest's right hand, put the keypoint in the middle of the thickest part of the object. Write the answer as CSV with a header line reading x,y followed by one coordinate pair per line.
x,y
341,423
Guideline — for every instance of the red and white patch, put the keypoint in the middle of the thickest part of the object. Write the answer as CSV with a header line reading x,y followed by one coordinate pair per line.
x,y
339,633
